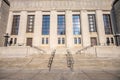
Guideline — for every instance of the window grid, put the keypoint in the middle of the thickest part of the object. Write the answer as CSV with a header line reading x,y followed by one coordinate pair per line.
x,y
77,40
61,41
76,25
61,25
92,22
30,23
107,24
45,25
15,24
45,40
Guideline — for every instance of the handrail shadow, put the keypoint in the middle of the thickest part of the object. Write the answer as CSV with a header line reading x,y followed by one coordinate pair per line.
x,y
70,60
51,60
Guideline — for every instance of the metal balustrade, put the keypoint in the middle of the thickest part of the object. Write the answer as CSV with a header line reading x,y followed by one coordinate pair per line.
x,y
39,49
51,60
85,48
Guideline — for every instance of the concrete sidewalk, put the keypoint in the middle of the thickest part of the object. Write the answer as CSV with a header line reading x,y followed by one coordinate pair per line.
x,y
58,74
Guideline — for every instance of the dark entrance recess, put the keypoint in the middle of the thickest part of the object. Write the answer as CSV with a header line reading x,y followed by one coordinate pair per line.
x,y
29,41
93,41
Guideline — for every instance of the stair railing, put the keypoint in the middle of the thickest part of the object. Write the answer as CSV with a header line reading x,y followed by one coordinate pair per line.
x,y
51,60
70,60
39,49
85,48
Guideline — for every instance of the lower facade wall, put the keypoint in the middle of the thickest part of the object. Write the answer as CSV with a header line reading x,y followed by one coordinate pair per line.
x,y
97,51
103,51
108,51
17,51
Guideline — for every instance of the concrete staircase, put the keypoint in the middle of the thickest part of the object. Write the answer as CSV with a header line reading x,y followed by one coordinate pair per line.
x,y
40,61
59,62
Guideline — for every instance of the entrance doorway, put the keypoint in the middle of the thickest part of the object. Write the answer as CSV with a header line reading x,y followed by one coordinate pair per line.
x,y
29,42
93,41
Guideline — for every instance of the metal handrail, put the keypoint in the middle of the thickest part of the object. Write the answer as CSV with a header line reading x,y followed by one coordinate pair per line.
x,y
51,60
85,48
70,60
38,49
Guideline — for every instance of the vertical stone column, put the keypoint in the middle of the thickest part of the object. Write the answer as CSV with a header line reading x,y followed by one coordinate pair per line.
x,y
85,28
22,28
37,29
53,29
69,29
9,25
100,27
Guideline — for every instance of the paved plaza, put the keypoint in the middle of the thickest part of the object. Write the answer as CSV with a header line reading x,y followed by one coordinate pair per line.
x,y
38,74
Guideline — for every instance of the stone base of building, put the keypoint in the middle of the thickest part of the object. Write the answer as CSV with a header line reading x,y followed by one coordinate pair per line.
x,y
25,51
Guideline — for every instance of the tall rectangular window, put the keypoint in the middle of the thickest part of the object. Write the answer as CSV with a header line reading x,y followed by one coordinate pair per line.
x,y
45,24
76,25
107,24
92,22
15,25
30,23
61,25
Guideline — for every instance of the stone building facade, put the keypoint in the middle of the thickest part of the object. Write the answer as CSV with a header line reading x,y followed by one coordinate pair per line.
x,y
4,12
116,20
60,23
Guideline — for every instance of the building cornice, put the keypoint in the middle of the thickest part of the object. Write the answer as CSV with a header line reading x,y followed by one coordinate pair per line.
x,y
60,4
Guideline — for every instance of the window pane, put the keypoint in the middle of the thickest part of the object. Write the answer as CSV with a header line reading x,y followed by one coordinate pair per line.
x,y
45,24
75,40
79,40
59,42
107,24
15,25
61,25
15,40
92,22
42,40
63,41
46,40
30,23
61,32
76,24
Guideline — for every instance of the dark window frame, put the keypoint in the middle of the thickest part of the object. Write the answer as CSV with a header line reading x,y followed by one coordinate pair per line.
x,y
107,24
45,24
30,23
61,25
92,22
15,25
76,24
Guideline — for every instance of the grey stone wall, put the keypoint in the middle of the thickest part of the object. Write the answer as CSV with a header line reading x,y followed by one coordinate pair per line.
x,y
117,15
4,12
